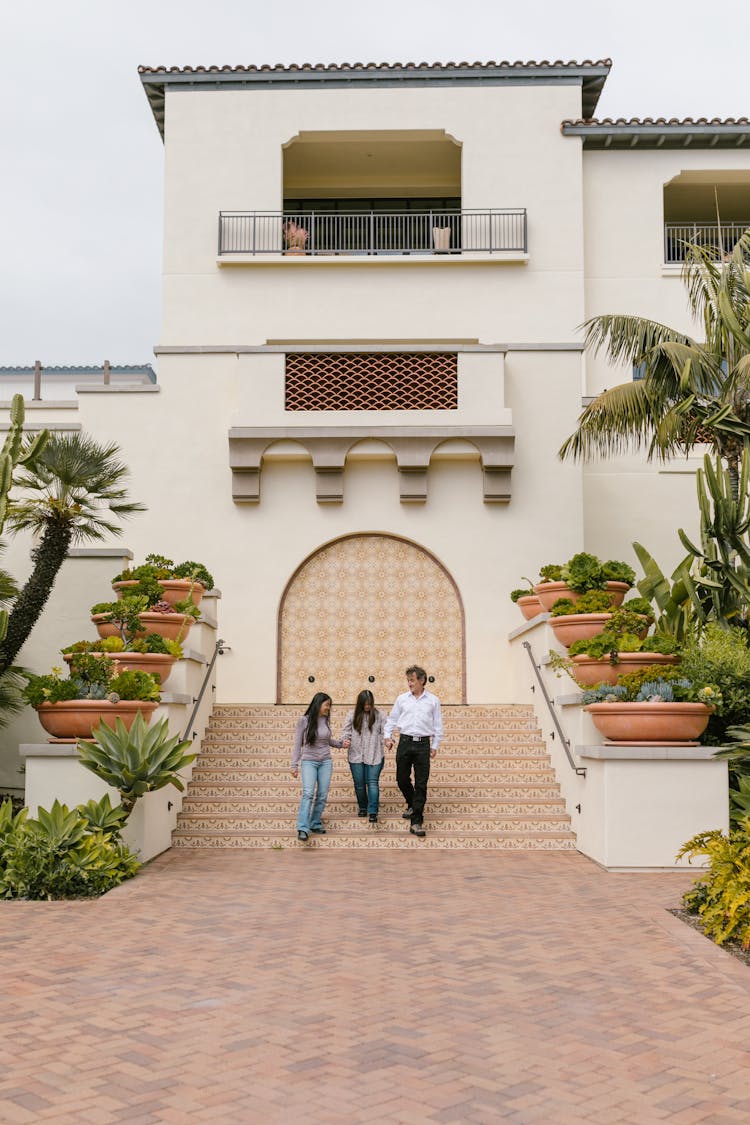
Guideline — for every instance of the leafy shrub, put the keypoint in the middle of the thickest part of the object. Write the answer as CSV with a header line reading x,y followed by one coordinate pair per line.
x,y
722,656
584,572
641,606
550,573
595,601
616,571
135,685
721,896
197,572
49,689
62,853
661,683
160,567
155,643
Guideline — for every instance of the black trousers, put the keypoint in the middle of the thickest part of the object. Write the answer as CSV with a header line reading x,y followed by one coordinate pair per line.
x,y
413,754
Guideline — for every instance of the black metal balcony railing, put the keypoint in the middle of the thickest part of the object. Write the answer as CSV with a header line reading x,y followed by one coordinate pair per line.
x,y
373,232
724,238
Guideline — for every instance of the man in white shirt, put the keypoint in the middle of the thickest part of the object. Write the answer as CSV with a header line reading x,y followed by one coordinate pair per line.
x,y
417,716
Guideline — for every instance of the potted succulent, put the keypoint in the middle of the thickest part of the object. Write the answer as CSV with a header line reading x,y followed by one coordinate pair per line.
x,y
527,601
592,613
136,616
153,653
619,650
159,579
295,237
656,705
94,692
582,573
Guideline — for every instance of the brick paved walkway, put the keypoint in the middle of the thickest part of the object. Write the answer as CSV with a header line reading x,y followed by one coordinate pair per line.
x,y
299,986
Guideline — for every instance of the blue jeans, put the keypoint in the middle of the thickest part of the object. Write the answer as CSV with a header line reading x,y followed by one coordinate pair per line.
x,y
315,775
367,785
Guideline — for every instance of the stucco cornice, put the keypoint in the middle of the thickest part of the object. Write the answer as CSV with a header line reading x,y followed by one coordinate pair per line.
x,y
659,132
590,76
328,446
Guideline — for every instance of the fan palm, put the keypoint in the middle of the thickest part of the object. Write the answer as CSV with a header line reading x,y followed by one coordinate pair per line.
x,y
692,391
75,487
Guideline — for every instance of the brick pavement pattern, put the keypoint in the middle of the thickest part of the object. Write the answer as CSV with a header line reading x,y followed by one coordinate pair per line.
x,y
297,985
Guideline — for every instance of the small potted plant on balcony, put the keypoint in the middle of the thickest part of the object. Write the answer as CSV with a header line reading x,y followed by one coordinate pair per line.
x,y
96,691
295,237
582,573
656,705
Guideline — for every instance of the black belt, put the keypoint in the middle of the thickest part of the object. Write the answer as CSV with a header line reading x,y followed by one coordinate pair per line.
x,y
419,738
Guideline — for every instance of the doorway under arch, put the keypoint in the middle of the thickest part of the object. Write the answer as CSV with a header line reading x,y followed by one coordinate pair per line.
x,y
361,609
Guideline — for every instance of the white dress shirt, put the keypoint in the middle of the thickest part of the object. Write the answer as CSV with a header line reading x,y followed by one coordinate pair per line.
x,y
418,716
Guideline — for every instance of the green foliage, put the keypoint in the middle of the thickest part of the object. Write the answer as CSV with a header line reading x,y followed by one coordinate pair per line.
x,y
155,643
595,601
138,761
659,683
672,599
62,853
722,657
616,571
188,607
516,594
551,572
124,614
135,685
91,677
721,896
583,572
103,816
197,572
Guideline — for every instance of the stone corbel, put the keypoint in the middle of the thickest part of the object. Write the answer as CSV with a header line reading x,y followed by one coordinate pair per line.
x,y
497,462
245,462
413,461
328,458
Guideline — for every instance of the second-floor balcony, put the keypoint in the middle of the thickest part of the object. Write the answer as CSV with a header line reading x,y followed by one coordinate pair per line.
x,y
359,233
722,238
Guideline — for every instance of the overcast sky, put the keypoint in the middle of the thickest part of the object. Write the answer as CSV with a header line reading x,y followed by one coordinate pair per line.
x,y
81,173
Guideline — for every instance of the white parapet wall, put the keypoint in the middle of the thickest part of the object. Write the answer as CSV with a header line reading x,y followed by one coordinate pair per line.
x,y
53,770
631,807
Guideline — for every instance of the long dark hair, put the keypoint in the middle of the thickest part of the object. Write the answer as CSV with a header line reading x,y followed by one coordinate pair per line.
x,y
359,710
313,714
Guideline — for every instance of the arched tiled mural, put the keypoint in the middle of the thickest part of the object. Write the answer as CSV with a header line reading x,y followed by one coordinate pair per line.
x,y
370,605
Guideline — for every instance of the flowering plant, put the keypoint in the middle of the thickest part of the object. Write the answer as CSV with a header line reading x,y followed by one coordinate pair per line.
x,y
295,235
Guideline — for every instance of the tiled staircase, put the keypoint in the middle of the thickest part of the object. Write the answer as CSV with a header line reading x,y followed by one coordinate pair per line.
x,y
491,787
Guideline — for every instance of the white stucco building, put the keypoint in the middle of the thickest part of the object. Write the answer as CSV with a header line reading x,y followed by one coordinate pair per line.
x,y
360,438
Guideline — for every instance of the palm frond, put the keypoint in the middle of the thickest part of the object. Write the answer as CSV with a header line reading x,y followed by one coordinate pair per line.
x,y
617,419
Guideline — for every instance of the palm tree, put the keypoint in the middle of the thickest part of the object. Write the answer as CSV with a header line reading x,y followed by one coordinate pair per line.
x,y
75,485
692,391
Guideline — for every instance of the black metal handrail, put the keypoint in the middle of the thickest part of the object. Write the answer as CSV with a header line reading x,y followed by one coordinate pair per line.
x,y
219,649
580,770
439,231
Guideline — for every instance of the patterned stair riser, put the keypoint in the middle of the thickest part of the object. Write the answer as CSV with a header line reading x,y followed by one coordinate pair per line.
x,y
491,787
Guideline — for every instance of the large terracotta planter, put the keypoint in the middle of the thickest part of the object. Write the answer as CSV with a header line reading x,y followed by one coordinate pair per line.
x,y
173,589
661,723
155,663
549,592
530,606
590,672
76,718
172,626
578,626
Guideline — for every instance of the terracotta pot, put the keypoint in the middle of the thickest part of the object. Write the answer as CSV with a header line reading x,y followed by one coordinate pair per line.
x,y
155,663
295,250
76,718
590,672
174,589
578,626
530,606
172,626
661,723
104,628
549,592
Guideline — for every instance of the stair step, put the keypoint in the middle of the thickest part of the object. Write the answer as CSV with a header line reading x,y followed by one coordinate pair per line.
x,y
485,841
247,804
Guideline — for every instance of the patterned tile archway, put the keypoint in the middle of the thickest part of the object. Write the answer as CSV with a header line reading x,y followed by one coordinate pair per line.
x,y
370,605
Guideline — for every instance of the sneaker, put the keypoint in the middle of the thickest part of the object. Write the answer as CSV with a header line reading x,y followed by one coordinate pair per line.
x,y
417,830
373,818
301,835
406,815
319,831
362,812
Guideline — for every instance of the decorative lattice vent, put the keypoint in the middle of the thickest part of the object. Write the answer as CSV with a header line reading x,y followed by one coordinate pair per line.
x,y
371,381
